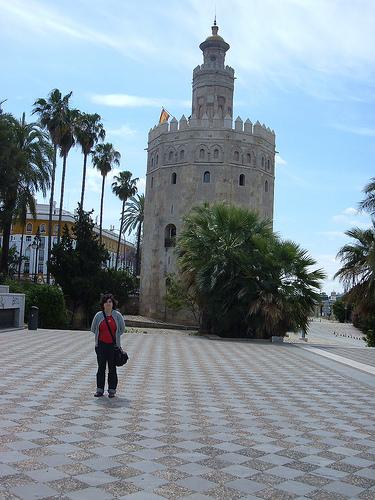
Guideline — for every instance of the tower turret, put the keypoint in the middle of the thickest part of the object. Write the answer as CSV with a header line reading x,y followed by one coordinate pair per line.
x,y
213,82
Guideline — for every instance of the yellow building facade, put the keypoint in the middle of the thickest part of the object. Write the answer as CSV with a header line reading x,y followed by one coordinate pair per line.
x,y
34,264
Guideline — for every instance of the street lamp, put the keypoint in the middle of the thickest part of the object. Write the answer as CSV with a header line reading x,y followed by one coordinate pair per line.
x,y
36,245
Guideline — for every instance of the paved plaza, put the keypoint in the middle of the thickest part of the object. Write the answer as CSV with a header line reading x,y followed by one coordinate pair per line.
x,y
195,418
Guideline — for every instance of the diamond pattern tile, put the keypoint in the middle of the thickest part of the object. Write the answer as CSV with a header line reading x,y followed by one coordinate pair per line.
x,y
194,418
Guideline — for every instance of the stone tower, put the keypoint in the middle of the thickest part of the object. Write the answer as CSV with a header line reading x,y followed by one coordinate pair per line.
x,y
200,159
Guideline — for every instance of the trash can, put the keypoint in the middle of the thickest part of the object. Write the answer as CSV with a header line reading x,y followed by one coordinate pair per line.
x,y
33,318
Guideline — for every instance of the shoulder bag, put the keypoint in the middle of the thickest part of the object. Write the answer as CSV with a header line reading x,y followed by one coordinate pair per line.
x,y
121,357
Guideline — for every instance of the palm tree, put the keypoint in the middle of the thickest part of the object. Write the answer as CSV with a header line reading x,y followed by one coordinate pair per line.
x,y
89,131
287,291
104,158
27,169
52,114
133,221
368,204
67,141
124,187
245,279
358,270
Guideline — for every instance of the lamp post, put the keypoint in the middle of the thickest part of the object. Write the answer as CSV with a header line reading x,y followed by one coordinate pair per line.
x,y
36,245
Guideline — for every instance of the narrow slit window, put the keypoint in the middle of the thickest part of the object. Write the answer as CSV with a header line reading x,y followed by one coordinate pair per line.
x,y
242,180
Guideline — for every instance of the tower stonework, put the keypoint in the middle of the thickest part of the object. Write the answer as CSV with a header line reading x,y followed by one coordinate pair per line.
x,y
201,159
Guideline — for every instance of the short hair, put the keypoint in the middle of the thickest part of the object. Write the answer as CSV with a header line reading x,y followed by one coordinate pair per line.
x,y
104,297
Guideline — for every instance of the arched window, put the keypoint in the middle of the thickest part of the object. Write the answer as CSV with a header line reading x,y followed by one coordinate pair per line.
x,y
157,159
174,178
248,158
201,154
42,228
242,180
266,186
152,182
236,156
268,164
170,236
170,156
216,153
152,161
29,227
182,154
206,177
262,161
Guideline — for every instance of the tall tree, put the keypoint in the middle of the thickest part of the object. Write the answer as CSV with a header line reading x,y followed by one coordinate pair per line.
x,y
246,281
358,272
26,168
67,141
133,221
52,113
104,158
89,131
368,203
124,187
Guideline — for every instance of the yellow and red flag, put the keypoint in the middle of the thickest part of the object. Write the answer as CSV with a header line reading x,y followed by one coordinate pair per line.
x,y
164,116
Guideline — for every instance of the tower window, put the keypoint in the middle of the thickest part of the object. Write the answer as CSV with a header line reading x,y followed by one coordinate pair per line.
x,y
236,156
268,164
266,186
262,161
242,180
182,154
216,153
152,162
170,236
206,177
152,182
174,178
201,154
170,156
157,159
248,158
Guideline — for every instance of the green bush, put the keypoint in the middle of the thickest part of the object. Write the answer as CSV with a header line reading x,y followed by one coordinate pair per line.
x,y
48,298
342,310
366,323
120,283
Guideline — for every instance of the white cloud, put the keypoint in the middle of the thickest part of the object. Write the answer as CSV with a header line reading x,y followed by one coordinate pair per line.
x,y
350,211
317,46
352,217
123,131
364,131
279,160
333,235
141,185
134,101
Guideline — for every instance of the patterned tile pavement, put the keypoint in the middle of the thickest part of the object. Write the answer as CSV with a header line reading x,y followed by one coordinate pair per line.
x,y
194,418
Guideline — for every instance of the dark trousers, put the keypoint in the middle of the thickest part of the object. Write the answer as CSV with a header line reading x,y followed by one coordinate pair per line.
x,y
105,354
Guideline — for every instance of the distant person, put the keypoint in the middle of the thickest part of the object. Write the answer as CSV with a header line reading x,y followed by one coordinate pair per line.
x,y
108,325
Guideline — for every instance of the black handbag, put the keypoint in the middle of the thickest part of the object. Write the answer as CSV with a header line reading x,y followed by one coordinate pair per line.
x,y
121,357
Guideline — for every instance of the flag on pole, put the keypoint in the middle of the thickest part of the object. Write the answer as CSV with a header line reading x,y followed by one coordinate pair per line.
x,y
164,116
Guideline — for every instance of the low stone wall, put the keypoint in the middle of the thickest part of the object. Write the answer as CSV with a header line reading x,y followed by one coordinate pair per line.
x,y
12,308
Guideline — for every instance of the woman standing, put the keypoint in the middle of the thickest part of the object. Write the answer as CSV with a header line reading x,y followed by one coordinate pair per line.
x,y
108,325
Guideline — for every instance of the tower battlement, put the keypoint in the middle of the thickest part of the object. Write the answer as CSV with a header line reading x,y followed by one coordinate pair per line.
x,y
209,66
247,128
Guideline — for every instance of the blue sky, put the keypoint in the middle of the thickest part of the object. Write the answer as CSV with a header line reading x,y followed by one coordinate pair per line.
x,y
305,68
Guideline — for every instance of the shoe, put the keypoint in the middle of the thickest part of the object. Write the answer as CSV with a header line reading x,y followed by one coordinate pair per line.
x,y
98,394
111,395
